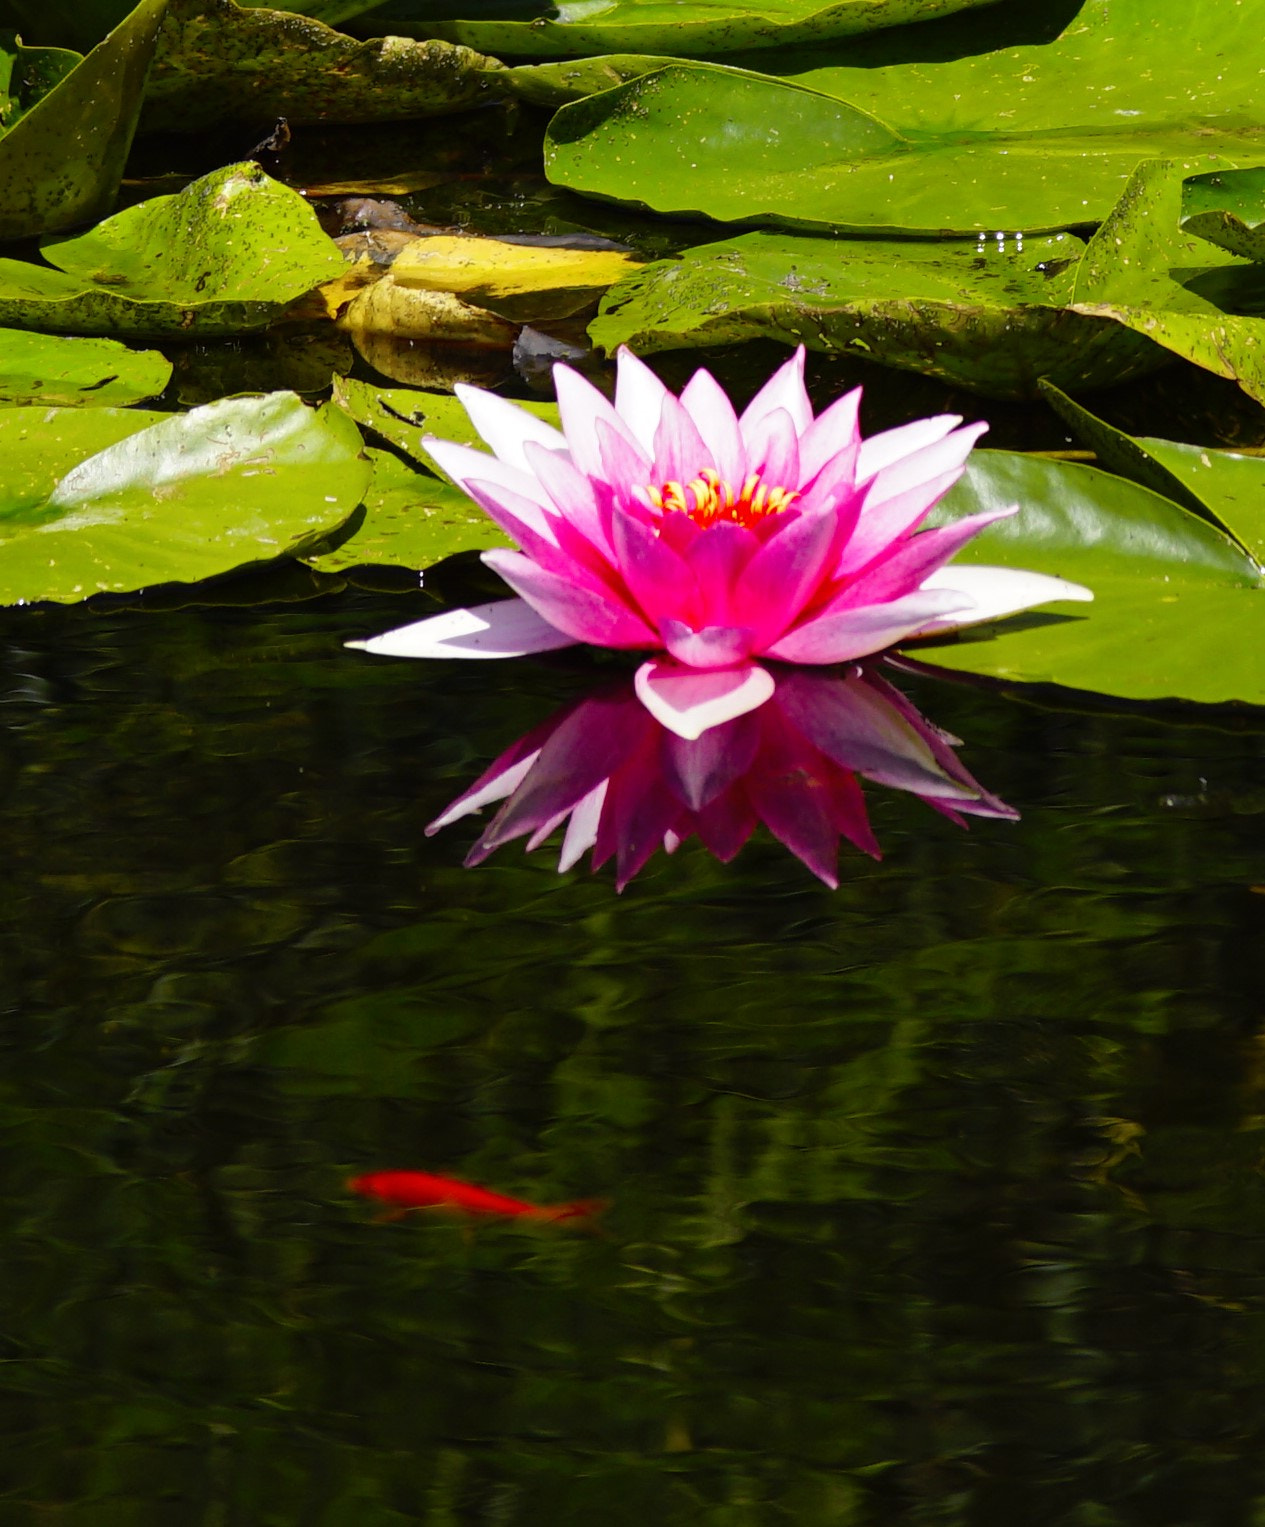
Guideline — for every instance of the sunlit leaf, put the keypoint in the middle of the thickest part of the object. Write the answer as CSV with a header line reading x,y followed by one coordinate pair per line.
x,y
217,61
572,27
52,369
1178,611
62,162
181,499
228,253
1033,138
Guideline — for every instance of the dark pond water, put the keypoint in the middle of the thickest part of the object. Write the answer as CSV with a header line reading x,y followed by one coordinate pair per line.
x,y
936,1199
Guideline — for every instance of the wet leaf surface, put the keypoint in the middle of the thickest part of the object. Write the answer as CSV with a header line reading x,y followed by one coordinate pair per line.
x,y
42,368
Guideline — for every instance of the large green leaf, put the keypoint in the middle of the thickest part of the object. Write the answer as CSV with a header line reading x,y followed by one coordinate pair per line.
x,y
988,315
1178,611
576,27
62,162
52,369
1225,487
1034,138
219,62
226,254
181,499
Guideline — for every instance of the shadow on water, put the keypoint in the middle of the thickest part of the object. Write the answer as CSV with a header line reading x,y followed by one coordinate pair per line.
x,y
935,1199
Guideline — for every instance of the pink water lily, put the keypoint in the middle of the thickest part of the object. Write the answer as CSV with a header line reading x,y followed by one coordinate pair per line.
x,y
623,785
675,526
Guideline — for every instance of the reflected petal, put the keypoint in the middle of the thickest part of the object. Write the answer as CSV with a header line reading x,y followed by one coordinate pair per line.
x,y
688,701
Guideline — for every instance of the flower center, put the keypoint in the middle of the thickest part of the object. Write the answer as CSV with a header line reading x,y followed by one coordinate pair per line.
x,y
709,498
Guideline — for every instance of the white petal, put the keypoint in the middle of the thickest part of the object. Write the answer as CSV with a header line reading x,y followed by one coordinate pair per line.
x,y
690,701
464,464
997,591
503,628
505,426
581,833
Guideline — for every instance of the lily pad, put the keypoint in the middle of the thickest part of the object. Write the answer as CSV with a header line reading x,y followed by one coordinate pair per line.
x,y
27,75
61,163
1228,208
576,27
986,314
184,498
1225,487
219,62
1034,138
52,369
412,520
226,254
1178,611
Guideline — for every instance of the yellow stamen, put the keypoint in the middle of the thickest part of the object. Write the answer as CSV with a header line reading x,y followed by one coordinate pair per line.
x,y
708,498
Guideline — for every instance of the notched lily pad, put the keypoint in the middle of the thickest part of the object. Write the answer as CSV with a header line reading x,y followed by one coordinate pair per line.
x,y
1228,209
55,370
226,254
184,498
218,62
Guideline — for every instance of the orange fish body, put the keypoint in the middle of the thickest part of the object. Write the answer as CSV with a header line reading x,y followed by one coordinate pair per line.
x,y
425,1190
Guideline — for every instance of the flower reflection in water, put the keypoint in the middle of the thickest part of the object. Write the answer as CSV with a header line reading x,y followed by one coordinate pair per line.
x,y
624,784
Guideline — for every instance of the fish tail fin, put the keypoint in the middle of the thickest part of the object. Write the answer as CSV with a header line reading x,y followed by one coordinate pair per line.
x,y
584,1210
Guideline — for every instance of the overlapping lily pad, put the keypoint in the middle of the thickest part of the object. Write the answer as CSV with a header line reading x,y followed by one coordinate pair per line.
x,y
1033,138
99,500
1228,208
220,62
225,255
1178,611
571,28
61,163
54,369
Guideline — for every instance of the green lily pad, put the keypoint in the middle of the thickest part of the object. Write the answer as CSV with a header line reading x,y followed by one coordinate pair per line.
x,y
61,163
27,75
986,314
219,62
1036,138
1145,271
1225,487
1228,208
412,520
575,27
1178,611
186,497
52,369
226,254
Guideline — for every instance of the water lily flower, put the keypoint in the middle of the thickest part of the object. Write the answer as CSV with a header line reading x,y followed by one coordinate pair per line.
x,y
674,526
624,784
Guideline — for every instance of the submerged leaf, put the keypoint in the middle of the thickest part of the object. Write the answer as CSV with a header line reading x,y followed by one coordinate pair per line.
x,y
220,62
52,369
62,162
182,498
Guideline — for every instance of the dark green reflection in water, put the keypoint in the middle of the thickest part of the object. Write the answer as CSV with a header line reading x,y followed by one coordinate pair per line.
x,y
937,1199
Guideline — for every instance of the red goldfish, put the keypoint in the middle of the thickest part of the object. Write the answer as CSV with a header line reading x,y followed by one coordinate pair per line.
x,y
403,1191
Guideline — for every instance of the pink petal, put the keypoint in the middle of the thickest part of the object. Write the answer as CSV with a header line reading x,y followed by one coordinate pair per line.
x,y
689,701
656,576
997,591
571,493
839,636
879,526
891,445
773,450
784,389
931,462
778,582
679,452
581,407
909,563
706,402
725,824
505,426
503,628
501,780
830,433
462,463
698,771
717,556
623,465
639,396
584,614
708,646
